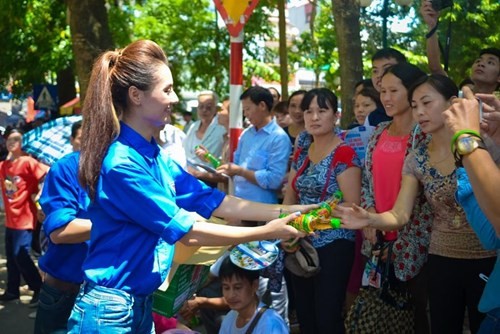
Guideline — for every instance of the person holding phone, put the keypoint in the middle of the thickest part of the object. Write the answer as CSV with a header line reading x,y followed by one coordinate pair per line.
x,y
456,255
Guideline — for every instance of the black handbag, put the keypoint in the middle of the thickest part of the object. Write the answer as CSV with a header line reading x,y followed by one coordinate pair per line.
x,y
386,310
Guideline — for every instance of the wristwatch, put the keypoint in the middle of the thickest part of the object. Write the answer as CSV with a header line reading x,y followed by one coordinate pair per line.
x,y
466,145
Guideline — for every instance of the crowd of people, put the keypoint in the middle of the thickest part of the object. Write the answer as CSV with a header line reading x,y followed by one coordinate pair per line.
x,y
422,181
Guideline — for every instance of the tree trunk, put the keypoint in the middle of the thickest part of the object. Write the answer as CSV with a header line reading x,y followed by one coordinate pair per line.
x,y
283,50
90,35
346,15
66,90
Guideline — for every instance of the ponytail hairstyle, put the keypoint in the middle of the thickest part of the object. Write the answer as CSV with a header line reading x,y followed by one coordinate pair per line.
x,y
113,73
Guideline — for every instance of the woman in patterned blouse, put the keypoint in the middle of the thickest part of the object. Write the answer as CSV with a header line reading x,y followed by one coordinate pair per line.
x,y
456,256
322,165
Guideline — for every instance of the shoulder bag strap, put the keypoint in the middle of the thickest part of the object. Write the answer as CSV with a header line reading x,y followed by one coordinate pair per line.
x,y
255,320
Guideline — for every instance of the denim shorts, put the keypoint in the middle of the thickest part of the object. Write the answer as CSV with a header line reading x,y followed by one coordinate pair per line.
x,y
105,310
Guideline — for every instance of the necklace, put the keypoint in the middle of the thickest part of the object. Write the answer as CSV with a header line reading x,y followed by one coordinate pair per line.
x,y
434,163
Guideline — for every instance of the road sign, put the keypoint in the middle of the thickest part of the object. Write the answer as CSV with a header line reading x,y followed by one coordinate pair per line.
x,y
45,97
235,13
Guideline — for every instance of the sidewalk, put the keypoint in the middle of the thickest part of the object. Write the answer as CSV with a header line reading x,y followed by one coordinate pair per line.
x,y
13,315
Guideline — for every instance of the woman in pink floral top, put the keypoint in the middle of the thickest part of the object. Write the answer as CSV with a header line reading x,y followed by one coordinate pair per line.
x,y
389,144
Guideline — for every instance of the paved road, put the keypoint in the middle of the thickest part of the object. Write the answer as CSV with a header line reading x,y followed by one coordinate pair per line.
x,y
13,315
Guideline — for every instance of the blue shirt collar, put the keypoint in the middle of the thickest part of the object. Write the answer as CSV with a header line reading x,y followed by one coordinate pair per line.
x,y
149,150
269,127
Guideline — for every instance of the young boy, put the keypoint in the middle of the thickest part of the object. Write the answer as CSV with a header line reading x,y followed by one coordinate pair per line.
x,y
20,178
239,288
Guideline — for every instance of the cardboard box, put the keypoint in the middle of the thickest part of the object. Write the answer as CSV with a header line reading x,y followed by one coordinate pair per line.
x,y
188,273
185,282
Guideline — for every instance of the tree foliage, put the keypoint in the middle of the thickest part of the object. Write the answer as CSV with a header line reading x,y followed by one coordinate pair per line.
x,y
317,50
197,47
36,42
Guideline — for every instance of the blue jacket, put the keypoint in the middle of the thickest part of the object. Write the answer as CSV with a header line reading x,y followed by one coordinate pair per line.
x,y
487,235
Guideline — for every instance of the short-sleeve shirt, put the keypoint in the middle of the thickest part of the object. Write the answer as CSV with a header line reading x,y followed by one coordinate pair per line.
x,y
142,207
318,182
62,201
452,236
20,179
269,323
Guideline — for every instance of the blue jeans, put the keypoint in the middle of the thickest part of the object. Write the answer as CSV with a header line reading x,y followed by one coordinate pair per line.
x,y
54,308
105,310
491,324
19,262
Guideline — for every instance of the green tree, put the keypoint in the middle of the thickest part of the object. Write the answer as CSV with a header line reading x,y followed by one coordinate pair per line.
x,y
197,47
36,42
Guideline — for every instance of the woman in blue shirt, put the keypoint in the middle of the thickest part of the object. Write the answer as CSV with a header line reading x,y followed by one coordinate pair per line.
x,y
140,200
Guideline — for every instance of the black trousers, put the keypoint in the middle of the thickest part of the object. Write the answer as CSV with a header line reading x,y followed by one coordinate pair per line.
x,y
319,300
454,285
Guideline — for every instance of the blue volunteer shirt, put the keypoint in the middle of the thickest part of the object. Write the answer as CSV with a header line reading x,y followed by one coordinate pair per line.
x,y
266,152
140,211
487,235
62,201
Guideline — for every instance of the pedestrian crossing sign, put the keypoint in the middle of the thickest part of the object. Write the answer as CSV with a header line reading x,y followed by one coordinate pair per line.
x,y
45,97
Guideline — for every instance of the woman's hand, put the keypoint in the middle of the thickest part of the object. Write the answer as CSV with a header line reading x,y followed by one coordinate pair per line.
x,y
279,228
370,234
352,218
299,208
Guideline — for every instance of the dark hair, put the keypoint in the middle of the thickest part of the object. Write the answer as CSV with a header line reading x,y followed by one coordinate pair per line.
x,y
113,73
296,93
11,130
406,72
326,99
372,94
228,270
259,94
281,108
465,82
441,83
277,92
389,53
364,82
74,128
490,51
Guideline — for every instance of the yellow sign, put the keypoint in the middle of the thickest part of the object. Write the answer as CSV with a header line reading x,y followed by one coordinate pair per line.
x,y
235,13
